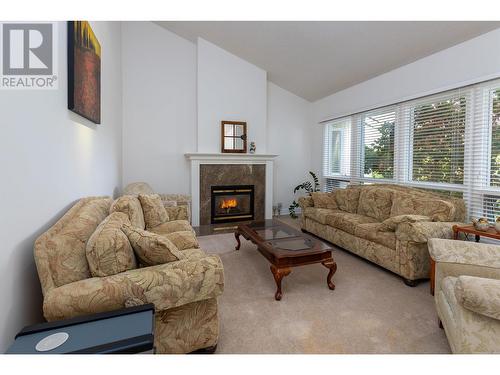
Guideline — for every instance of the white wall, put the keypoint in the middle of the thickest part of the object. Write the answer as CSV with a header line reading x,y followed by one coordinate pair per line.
x,y
472,61
159,106
288,134
50,158
229,88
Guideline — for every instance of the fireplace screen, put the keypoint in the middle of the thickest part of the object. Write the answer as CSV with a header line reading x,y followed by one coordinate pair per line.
x,y
232,203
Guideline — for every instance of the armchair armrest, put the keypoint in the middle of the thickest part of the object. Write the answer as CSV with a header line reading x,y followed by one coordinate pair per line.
x,y
423,231
305,202
459,258
479,295
464,252
167,286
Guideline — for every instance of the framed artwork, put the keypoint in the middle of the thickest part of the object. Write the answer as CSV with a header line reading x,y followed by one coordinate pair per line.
x,y
233,137
84,71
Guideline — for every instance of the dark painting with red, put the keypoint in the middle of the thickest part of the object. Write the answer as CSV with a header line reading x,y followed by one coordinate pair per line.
x,y
84,71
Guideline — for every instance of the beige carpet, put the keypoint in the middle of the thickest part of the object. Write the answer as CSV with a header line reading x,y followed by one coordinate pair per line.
x,y
370,311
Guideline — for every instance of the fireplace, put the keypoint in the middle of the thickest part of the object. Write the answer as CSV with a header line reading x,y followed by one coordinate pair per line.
x,y
232,203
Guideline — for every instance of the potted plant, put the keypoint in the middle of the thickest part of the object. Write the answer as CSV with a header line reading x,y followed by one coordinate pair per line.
x,y
309,187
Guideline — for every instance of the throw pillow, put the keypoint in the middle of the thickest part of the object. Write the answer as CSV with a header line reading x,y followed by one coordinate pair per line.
x,y
390,224
131,206
108,249
324,200
347,199
177,213
375,202
151,248
436,209
183,240
154,211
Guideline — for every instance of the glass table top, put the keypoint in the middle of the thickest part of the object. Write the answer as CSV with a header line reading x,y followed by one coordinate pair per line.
x,y
270,230
293,244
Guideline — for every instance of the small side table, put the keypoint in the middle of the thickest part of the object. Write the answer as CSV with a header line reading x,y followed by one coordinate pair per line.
x,y
466,230
129,330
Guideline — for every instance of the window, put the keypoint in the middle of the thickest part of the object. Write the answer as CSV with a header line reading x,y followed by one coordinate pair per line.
x,y
491,207
337,149
449,142
495,138
437,141
378,144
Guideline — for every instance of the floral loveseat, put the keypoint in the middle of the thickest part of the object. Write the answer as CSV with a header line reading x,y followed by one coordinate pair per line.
x,y
386,224
184,291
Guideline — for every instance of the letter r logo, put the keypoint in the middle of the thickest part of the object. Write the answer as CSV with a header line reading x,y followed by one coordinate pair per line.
x,y
27,49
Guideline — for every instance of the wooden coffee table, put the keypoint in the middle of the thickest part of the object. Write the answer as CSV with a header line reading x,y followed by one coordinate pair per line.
x,y
285,247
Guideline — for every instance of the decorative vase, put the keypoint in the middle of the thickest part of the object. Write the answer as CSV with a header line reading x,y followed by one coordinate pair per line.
x,y
497,224
252,147
481,224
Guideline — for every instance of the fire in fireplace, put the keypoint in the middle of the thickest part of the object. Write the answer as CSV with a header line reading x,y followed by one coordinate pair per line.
x,y
232,203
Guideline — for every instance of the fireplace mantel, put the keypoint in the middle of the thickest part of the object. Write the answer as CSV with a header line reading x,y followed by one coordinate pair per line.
x,y
213,158
196,159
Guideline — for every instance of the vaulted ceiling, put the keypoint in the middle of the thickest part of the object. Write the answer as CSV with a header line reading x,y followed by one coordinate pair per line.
x,y
316,59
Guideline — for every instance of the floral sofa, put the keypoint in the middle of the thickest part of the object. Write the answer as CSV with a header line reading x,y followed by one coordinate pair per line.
x,y
467,294
184,291
386,224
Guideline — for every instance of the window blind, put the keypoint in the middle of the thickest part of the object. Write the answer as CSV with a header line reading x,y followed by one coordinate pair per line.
x,y
483,179
448,143
377,150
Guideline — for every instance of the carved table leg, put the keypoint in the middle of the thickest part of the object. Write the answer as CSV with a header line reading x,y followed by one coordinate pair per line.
x,y
279,274
237,236
332,266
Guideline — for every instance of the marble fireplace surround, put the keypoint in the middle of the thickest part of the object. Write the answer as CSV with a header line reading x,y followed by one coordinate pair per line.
x,y
230,169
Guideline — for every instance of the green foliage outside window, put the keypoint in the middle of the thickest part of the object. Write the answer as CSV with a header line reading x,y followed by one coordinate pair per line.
x,y
379,154
438,141
495,140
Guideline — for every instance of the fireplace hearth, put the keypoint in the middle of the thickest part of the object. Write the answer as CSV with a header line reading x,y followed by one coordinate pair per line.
x,y
231,203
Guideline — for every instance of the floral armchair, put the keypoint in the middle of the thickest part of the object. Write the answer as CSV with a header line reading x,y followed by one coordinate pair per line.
x,y
467,294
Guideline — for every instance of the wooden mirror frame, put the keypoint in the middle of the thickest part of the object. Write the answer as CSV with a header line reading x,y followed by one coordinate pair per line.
x,y
243,137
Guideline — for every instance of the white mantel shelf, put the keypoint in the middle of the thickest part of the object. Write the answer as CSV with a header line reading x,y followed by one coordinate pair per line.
x,y
248,158
198,158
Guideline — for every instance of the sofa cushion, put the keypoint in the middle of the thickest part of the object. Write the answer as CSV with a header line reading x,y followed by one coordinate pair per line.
x,y
390,224
324,200
347,222
154,211
437,209
371,232
319,214
151,248
183,239
130,205
108,249
376,203
172,226
347,199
